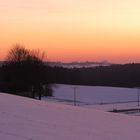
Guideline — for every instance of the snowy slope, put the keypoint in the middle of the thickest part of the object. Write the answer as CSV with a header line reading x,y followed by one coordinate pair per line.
x,y
27,119
97,97
95,94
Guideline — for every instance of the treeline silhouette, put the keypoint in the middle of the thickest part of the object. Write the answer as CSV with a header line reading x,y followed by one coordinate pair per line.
x,y
127,75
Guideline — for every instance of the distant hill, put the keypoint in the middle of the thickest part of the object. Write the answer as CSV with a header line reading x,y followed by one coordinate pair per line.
x,y
86,64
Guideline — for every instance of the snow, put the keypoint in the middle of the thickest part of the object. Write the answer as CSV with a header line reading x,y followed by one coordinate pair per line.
x,y
27,119
95,94
103,98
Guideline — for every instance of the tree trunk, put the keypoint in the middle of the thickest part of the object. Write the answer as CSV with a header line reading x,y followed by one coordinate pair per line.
x,y
39,91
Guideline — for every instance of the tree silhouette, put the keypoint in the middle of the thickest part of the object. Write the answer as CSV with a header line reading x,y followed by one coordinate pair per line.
x,y
17,54
24,70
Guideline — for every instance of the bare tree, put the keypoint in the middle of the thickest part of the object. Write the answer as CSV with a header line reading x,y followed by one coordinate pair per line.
x,y
25,70
17,54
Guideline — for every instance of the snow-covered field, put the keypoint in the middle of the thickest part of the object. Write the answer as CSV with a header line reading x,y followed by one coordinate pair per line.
x,y
26,119
104,98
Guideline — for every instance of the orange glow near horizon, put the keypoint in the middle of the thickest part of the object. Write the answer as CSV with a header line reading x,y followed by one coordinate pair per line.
x,y
73,30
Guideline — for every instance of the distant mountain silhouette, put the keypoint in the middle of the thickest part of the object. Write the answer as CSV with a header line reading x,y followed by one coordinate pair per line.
x,y
86,64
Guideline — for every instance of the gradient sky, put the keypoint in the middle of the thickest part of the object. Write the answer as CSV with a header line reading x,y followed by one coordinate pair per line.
x,y
73,30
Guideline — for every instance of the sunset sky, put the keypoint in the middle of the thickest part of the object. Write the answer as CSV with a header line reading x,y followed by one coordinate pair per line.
x,y
73,30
